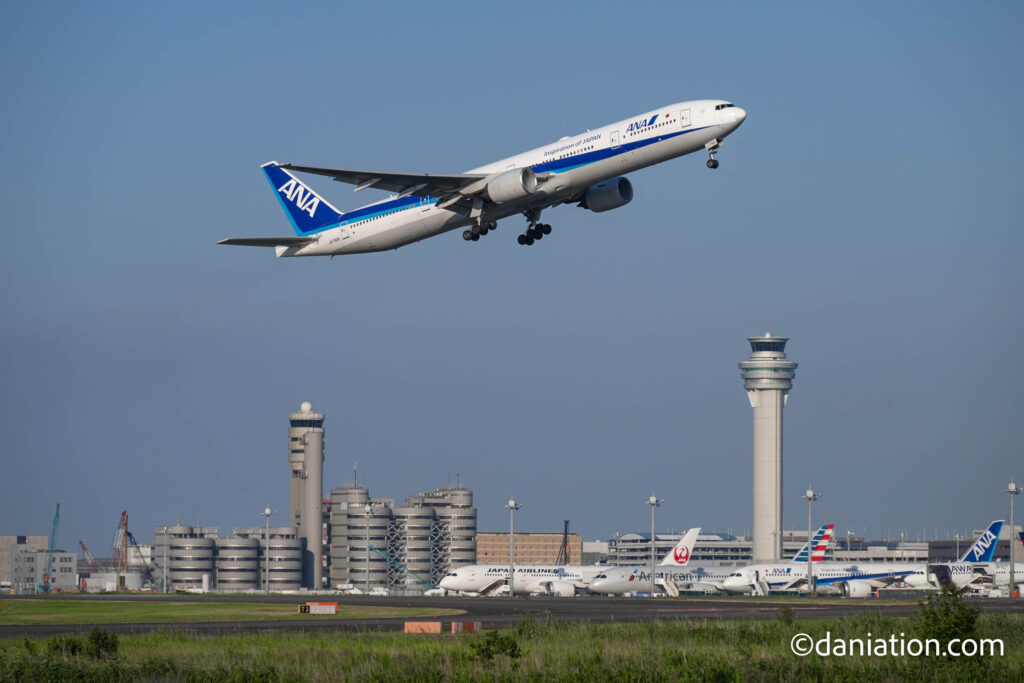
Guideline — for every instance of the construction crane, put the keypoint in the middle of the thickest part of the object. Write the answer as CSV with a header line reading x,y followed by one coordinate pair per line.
x,y
563,551
50,550
402,568
88,558
147,568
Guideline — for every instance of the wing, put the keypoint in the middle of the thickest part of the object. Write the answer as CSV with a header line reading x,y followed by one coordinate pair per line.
x,y
405,184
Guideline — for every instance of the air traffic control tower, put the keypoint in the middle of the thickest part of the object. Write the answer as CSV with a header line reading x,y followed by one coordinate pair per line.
x,y
767,377
306,486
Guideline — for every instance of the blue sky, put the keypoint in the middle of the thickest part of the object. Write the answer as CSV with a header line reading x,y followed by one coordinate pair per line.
x,y
869,208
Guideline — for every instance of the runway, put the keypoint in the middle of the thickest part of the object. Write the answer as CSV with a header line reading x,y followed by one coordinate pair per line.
x,y
491,612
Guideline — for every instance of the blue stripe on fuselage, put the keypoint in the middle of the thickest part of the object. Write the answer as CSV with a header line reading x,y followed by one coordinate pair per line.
x,y
553,166
852,577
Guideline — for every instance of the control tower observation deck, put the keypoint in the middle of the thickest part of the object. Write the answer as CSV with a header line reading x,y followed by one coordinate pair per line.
x,y
767,377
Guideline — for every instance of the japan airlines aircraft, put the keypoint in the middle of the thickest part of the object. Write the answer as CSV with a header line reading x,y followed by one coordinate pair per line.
x,y
683,575
562,580
586,169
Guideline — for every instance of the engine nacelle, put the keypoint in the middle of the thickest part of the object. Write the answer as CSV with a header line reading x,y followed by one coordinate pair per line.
x,y
562,589
857,589
608,194
510,185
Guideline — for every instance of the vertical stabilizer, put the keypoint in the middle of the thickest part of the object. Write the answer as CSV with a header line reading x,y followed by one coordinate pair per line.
x,y
308,212
680,555
985,547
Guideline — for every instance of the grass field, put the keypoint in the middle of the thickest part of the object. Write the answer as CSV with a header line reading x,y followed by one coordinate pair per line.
x,y
14,611
650,651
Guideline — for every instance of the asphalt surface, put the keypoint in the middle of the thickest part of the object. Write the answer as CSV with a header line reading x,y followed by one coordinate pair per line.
x,y
491,612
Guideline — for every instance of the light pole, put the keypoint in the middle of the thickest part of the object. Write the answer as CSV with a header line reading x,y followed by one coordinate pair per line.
x,y
1013,490
164,563
267,512
654,502
957,537
811,496
366,579
512,507
849,557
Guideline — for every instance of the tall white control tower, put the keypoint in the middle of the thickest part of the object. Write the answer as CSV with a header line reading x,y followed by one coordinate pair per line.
x,y
767,377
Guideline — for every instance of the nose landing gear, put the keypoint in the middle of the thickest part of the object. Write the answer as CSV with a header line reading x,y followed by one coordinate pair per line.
x,y
712,147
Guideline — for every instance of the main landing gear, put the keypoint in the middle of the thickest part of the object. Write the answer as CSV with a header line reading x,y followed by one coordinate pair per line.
x,y
536,230
712,147
478,231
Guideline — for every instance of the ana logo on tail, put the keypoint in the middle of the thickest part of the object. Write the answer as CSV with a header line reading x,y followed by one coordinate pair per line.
x,y
301,196
985,546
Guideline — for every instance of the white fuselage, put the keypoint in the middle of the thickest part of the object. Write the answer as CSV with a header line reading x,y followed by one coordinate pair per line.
x,y
623,580
482,578
779,577
577,162
963,574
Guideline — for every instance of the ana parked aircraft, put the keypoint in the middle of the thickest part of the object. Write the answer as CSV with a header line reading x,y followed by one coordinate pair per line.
x,y
974,570
683,575
852,579
586,169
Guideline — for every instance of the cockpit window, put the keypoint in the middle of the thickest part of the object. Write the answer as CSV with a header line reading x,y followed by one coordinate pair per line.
x,y
724,106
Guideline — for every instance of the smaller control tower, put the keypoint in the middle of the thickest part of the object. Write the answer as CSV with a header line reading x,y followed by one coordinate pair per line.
x,y
767,377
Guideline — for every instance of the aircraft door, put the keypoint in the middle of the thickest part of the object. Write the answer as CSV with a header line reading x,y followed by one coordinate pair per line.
x,y
614,139
684,118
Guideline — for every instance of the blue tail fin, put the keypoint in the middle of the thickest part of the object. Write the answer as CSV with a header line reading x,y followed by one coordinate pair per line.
x,y
985,546
308,212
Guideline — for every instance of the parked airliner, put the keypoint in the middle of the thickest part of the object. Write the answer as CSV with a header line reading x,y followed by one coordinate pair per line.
x,y
563,580
683,575
586,169
851,579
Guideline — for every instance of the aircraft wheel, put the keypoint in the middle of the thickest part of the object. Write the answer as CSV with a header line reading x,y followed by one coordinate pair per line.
x,y
537,234
529,240
521,239
483,231
475,230
475,238
712,163
546,228
467,235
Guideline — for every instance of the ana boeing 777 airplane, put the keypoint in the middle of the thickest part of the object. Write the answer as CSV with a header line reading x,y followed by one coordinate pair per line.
x,y
586,169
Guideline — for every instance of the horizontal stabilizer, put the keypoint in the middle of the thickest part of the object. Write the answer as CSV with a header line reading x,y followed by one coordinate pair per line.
x,y
269,241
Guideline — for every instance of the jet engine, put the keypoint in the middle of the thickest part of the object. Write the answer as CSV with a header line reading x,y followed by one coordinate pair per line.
x,y
856,589
510,185
608,194
562,589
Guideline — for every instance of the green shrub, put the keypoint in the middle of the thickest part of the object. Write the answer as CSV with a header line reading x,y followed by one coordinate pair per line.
x,y
101,644
494,643
945,616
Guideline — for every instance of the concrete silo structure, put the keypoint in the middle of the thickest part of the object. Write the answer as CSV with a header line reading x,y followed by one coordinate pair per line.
x,y
767,377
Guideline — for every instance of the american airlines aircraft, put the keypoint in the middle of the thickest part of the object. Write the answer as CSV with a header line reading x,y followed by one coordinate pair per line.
x,y
694,577
563,580
586,169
